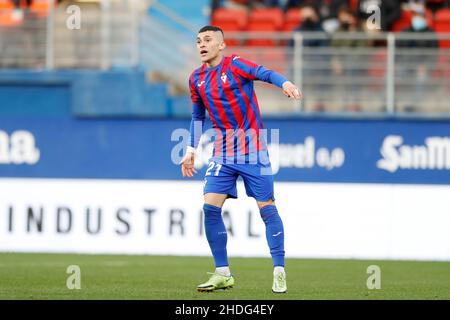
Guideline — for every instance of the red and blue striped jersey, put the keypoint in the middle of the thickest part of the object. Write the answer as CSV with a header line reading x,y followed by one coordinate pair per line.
x,y
227,93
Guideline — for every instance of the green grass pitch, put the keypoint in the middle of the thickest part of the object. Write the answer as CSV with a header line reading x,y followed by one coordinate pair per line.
x,y
43,276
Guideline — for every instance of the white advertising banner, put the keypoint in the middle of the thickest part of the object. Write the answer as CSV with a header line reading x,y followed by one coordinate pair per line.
x,y
367,221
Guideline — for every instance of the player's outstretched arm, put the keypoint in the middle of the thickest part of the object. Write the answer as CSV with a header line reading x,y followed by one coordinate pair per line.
x,y
291,90
187,165
251,71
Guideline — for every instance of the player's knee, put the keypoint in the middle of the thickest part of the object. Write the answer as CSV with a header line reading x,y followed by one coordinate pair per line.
x,y
270,216
207,207
262,204
215,199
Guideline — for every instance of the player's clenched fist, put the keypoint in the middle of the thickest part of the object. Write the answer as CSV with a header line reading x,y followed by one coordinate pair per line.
x,y
291,90
187,165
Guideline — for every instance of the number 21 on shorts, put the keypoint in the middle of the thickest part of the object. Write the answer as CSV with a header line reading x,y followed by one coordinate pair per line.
x,y
211,166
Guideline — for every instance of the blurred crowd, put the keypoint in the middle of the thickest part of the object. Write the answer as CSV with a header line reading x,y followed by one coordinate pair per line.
x,y
328,7
16,12
330,15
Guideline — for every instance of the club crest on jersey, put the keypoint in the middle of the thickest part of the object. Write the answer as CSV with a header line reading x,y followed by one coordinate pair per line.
x,y
223,77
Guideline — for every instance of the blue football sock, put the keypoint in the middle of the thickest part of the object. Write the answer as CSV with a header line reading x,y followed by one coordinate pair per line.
x,y
216,234
274,233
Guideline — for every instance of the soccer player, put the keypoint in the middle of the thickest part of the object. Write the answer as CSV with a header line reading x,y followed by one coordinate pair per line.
x,y
224,87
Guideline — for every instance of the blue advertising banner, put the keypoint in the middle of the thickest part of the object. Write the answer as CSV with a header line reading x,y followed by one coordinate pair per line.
x,y
305,150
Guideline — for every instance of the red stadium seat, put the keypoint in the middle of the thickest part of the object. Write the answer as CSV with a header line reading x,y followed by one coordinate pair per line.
x,y
6,5
230,20
354,5
442,24
443,15
292,19
265,20
228,16
7,17
404,22
40,7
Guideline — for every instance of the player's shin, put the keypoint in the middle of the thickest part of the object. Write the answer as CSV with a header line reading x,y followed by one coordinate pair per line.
x,y
216,235
274,233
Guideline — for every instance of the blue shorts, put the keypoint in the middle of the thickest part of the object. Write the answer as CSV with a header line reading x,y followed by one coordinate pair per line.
x,y
221,178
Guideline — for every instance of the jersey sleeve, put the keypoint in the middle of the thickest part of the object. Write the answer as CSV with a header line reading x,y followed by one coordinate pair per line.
x,y
252,71
198,115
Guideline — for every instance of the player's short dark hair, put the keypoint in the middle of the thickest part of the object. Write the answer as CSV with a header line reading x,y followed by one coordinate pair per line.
x,y
210,28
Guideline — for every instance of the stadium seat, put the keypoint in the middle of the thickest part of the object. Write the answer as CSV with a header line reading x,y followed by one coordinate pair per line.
x,y
6,5
230,16
442,24
40,7
8,17
264,20
231,20
404,22
292,19
354,5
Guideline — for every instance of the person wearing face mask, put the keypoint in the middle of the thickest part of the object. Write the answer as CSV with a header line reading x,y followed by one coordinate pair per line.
x,y
416,57
311,60
310,23
419,23
343,65
347,22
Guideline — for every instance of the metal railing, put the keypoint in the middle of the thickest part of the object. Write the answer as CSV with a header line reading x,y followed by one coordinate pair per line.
x,y
107,37
344,72
353,71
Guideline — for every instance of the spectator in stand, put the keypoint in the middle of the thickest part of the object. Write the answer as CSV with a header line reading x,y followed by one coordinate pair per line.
x,y
347,64
18,3
390,11
312,61
416,58
327,9
348,22
311,23
419,23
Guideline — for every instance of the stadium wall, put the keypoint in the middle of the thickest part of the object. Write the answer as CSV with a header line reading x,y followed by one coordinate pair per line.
x,y
376,189
81,93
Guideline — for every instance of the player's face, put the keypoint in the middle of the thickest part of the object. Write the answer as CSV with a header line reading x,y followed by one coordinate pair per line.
x,y
210,45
